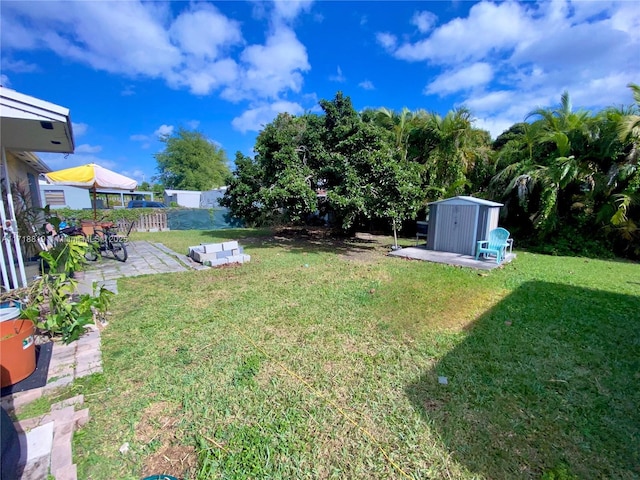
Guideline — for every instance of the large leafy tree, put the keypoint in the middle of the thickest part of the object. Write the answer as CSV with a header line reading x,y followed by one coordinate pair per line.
x,y
190,161
366,173
289,182
355,163
243,194
281,183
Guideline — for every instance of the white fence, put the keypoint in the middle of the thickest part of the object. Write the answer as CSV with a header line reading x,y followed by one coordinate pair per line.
x,y
151,222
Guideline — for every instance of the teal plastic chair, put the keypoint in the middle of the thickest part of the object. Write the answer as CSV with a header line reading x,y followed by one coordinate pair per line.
x,y
496,244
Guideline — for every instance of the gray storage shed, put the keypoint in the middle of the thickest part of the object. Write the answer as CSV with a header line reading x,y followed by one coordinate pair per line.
x,y
457,223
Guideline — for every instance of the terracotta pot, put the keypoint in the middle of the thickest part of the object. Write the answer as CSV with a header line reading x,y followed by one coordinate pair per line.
x,y
17,351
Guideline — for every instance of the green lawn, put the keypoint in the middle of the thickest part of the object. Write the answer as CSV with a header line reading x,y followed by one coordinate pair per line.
x,y
322,361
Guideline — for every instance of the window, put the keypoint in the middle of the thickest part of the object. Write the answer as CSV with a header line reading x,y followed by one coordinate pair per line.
x,y
54,197
34,188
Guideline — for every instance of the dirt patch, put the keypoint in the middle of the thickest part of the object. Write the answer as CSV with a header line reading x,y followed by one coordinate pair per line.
x,y
157,423
306,233
362,247
177,461
158,430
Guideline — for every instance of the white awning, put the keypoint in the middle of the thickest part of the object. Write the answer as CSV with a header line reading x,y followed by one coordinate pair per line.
x,y
30,124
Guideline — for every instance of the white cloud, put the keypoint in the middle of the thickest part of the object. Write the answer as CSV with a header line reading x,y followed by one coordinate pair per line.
x,y
256,118
86,148
584,11
58,161
490,102
495,126
201,49
136,174
4,80
72,34
289,9
338,77
193,124
203,79
128,91
475,75
488,27
139,138
626,17
424,21
367,85
79,129
580,46
270,69
605,90
164,130
18,66
517,56
204,32
387,40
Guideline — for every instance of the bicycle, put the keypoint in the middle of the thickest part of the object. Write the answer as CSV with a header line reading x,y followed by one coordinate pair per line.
x,y
55,240
106,239
48,237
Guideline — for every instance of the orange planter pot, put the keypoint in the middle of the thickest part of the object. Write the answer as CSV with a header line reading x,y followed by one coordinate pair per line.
x,y
17,351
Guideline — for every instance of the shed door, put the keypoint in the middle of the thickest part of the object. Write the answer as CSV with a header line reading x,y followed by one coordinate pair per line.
x,y
456,229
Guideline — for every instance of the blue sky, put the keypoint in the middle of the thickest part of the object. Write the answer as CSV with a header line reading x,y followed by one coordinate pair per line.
x,y
130,71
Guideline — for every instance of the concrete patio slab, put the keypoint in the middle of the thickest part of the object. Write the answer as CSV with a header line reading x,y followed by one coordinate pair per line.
x,y
421,253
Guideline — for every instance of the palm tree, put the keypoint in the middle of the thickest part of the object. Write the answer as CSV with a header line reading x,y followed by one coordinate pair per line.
x,y
629,126
622,203
550,160
399,125
453,148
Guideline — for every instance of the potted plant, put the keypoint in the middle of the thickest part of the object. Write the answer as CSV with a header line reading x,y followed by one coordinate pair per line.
x,y
17,350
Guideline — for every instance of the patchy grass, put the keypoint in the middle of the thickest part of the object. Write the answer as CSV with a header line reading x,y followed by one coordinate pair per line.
x,y
313,361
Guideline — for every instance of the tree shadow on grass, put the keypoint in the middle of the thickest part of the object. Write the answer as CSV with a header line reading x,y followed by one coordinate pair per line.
x,y
303,240
550,377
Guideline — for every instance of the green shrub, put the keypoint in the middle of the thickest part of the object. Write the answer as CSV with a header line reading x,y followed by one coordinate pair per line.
x,y
53,307
561,472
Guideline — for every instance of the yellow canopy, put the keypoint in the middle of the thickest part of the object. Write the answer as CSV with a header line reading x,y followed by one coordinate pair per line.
x,y
91,176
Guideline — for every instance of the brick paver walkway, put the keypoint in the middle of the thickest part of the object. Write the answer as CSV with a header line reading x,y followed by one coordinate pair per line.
x,y
145,258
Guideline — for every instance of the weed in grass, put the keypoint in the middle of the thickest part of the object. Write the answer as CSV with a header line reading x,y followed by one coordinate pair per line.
x,y
246,371
559,473
40,406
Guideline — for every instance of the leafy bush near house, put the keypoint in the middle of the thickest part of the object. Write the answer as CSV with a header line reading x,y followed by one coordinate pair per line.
x,y
53,305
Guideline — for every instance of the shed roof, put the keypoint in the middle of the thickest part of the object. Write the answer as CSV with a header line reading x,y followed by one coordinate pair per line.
x,y
466,199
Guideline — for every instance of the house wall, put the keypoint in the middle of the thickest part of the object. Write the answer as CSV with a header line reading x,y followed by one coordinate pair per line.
x,y
183,198
26,179
74,197
210,198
